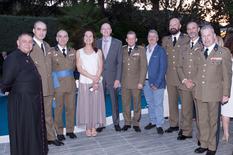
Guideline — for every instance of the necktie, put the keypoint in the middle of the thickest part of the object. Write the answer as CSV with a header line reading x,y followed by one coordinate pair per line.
x,y
105,48
174,41
130,50
42,48
192,43
64,52
206,53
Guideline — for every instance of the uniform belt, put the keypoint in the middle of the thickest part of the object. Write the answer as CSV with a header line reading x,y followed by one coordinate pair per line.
x,y
60,74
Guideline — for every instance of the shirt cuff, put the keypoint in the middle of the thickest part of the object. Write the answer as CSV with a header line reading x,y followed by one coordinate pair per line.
x,y
184,80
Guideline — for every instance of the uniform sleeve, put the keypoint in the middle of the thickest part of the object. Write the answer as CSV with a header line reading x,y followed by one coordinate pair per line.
x,y
227,73
143,66
180,66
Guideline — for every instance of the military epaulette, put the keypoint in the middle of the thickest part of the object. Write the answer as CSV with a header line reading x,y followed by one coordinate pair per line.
x,y
184,34
200,41
200,48
34,43
136,47
216,47
56,48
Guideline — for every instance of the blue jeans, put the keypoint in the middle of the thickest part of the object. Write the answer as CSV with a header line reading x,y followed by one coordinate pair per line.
x,y
154,99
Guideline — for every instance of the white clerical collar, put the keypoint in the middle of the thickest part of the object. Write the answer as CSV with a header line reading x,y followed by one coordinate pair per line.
x,y
60,48
177,35
38,41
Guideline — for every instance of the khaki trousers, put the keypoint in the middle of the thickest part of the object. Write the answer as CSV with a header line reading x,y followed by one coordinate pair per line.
x,y
66,99
48,118
127,95
208,120
173,95
187,99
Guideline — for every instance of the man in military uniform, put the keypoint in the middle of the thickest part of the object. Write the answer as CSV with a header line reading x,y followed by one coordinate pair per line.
x,y
41,56
133,77
212,87
174,44
63,66
186,71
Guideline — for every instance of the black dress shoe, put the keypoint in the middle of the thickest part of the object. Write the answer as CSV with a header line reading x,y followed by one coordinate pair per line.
x,y
100,129
209,152
71,135
117,127
171,129
160,130
200,150
198,143
149,126
183,137
61,137
55,142
126,127
137,128
180,132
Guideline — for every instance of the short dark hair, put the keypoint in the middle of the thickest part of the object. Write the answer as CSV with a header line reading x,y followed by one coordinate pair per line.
x,y
24,34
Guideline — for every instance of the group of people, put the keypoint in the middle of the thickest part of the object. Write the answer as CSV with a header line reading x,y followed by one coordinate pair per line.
x,y
193,68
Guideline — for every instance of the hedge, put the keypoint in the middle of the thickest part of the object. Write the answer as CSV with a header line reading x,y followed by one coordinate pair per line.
x,y
12,26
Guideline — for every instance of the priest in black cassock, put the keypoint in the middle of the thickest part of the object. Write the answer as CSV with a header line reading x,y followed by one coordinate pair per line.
x,y
25,101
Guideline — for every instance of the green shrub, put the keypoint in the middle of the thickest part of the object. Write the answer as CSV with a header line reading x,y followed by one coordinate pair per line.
x,y
12,26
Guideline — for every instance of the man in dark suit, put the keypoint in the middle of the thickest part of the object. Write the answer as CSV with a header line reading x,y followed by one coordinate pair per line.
x,y
155,81
112,52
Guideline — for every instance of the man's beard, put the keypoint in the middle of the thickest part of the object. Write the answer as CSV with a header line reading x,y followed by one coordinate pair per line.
x,y
173,31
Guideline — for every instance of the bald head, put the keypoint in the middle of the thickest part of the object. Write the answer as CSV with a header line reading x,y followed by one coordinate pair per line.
x,y
40,30
174,26
62,38
25,42
106,30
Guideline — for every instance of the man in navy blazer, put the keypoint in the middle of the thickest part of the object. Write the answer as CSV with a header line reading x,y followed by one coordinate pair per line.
x,y
155,81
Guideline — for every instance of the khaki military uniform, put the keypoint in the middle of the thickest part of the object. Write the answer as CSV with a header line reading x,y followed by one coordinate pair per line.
x,y
172,78
187,70
65,93
213,81
44,66
133,72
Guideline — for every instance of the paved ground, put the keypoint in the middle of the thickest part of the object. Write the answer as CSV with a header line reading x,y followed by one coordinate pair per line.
x,y
149,142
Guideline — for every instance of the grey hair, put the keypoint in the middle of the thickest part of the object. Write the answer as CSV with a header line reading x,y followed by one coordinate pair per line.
x,y
208,26
39,22
153,31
